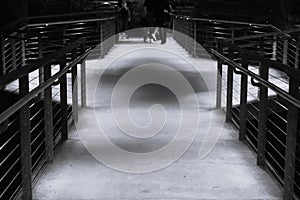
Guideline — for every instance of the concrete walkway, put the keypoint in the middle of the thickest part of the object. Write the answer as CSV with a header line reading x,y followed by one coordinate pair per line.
x,y
228,172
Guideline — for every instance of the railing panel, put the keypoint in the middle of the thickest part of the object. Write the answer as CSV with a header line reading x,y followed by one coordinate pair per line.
x,y
45,51
208,31
32,133
272,122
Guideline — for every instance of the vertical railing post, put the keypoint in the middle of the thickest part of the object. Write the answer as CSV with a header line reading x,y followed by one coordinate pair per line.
x,y
111,35
40,46
116,30
190,34
188,45
3,58
13,53
83,79
230,70
106,31
64,36
63,101
184,31
219,79
64,94
262,53
274,52
297,53
195,39
243,102
179,29
285,51
291,140
74,88
187,33
25,141
40,55
232,35
173,26
262,47
229,89
48,113
106,25
23,49
101,40
176,29
263,116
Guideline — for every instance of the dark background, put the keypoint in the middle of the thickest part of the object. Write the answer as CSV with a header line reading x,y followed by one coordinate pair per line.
x,y
12,10
277,12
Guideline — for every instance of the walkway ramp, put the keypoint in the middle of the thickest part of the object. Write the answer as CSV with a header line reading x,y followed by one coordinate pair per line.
x,y
228,172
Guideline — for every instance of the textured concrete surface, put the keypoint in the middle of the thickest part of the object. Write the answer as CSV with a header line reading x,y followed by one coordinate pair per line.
x,y
228,172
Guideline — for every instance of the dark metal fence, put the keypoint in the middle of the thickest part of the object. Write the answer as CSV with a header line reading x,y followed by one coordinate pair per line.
x,y
271,124
30,139
38,80
206,32
49,32
256,56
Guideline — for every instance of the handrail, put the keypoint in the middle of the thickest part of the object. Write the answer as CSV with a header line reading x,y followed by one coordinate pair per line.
x,y
26,99
21,72
281,53
72,21
42,96
263,82
220,21
264,35
31,40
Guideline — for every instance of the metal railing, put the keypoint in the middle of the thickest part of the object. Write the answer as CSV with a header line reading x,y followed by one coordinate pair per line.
x,y
12,50
266,140
282,46
27,99
71,16
41,60
258,76
36,40
95,30
206,32
59,7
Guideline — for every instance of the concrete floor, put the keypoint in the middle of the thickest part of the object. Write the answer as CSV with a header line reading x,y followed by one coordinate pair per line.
x,y
228,172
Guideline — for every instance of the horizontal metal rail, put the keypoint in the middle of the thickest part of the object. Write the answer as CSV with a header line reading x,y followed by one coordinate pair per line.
x,y
265,83
264,35
31,40
219,21
72,22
